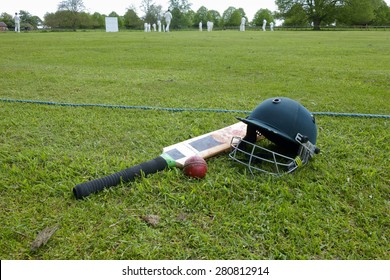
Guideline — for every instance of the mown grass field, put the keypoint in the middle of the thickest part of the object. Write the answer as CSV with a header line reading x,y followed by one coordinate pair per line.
x,y
337,207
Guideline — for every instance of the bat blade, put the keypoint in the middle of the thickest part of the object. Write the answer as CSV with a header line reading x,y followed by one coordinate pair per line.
x,y
206,146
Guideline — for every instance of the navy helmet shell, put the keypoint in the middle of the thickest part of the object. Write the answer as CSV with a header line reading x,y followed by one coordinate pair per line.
x,y
280,119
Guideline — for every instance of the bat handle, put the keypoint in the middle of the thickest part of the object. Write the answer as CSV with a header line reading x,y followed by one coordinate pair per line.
x,y
152,166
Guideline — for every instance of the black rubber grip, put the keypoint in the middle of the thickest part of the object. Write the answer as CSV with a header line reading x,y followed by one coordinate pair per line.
x,y
152,166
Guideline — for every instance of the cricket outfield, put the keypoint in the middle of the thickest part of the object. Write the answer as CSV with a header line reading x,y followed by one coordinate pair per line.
x,y
336,207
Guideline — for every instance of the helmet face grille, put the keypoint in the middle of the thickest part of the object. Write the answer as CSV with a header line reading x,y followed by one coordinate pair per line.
x,y
258,158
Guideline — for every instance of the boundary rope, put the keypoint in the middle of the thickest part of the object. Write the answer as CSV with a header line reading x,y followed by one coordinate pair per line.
x,y
333,114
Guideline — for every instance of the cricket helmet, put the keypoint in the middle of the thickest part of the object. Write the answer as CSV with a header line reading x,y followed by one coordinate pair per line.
x,y
291,132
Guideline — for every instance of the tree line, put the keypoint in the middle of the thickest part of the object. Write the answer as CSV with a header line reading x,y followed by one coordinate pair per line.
x,y
71,14
319,13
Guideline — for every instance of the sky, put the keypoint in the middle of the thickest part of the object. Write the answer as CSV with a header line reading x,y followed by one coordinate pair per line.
x,y
41,7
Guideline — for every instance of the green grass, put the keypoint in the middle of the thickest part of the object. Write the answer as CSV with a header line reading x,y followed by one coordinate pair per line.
x,y
337,207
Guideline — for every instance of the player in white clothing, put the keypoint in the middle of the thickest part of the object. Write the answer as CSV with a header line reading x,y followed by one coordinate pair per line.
x,y
17,22
242,26
168,18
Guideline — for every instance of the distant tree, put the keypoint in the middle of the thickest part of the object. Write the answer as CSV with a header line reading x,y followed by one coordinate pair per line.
x,y
356,12
75,6
60,19
146,6
215,17
235,19
178,20
154,12
74,9
84,21
97,20
296,16
66,20
261,15
180,16
28,20
364,12
227,15
50,20
381,13
317,11
183,5
201,16
131,19
8,20
151,11
190,17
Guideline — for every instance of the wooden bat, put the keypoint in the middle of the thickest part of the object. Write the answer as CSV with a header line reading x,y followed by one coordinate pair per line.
x,y
206,146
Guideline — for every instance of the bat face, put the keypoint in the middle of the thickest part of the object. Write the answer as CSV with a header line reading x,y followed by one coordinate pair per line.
x,y
206,145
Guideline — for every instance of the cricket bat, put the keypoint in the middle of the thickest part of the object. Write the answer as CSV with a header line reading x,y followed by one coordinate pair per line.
x,y
206,146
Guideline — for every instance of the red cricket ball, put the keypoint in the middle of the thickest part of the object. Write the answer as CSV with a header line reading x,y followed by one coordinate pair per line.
x,y
195,167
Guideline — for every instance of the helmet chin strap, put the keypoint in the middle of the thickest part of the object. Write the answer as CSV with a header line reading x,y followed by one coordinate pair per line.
x,y
251,136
